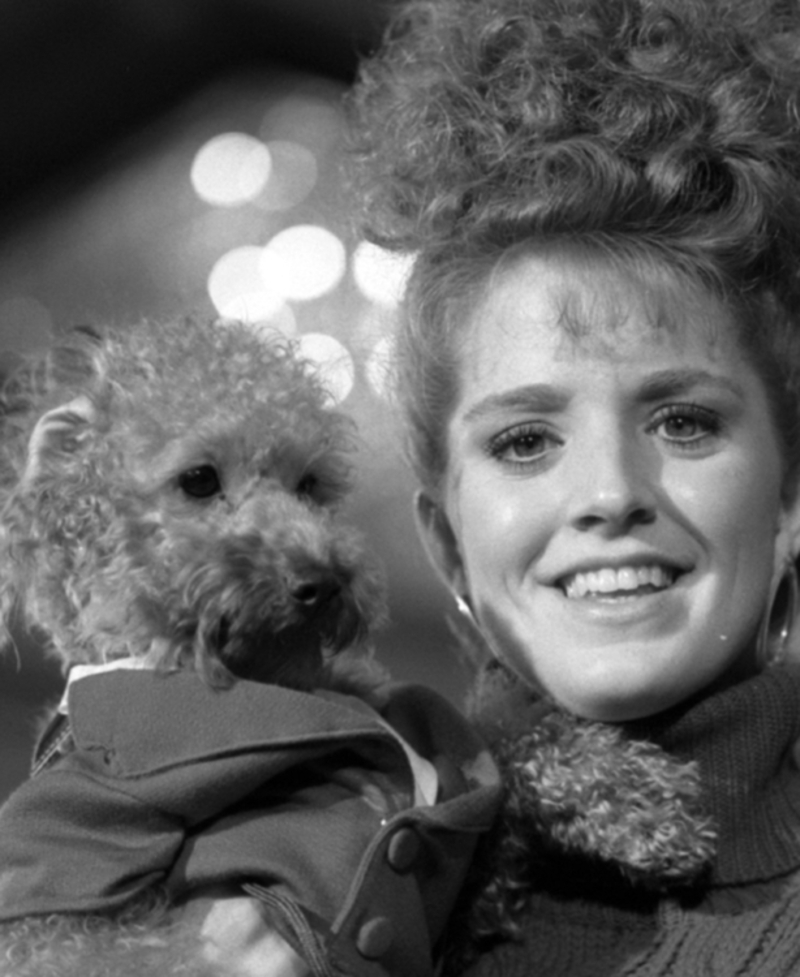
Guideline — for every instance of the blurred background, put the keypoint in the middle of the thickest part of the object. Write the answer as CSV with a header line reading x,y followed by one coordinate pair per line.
x,y
169,156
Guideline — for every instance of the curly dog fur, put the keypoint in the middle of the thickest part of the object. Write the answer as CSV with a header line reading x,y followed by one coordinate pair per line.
x,y
169,494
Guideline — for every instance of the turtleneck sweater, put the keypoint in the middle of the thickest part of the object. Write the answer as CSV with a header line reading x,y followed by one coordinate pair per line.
x,y
743,919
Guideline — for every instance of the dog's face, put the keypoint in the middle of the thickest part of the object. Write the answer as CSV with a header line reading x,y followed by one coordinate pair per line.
x,y
173,498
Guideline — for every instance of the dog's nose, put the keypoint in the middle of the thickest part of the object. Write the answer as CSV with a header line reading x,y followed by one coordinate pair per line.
x,y
316,590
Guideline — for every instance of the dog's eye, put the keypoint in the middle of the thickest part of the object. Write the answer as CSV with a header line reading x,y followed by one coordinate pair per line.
x,y
201,482
308,486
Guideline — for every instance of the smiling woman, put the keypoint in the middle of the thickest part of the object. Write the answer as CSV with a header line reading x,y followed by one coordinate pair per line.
x,y
612,504
599,367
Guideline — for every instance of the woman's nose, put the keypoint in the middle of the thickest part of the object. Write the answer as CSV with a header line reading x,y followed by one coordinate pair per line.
x,y
613,487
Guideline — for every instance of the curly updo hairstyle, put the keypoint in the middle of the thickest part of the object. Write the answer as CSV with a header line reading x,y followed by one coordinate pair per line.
x,y
649,131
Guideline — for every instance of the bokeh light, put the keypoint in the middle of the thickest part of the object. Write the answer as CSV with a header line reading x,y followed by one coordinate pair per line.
x,y
332,363
237,290
381,275
231,169
303,262
291,179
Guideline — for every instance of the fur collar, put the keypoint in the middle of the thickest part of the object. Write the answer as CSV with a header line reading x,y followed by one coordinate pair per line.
x,y
706,794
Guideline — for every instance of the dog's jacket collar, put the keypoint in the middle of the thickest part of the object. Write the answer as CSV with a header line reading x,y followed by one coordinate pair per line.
x,y
56,740
173,783
78,672
58,737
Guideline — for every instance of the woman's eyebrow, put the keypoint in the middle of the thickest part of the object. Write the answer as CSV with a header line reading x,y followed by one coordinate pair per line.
x,y
542,397
670,383
545,397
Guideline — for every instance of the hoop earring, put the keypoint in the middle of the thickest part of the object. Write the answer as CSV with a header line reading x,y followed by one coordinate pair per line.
x,y
776,627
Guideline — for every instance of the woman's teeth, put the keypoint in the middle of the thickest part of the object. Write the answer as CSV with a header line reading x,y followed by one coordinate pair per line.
x,y
610,581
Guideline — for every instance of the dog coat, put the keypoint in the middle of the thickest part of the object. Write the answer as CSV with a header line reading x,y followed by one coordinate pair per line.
x,y
308,797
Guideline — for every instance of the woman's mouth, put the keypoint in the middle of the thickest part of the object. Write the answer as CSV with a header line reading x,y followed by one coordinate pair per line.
x,y
613,582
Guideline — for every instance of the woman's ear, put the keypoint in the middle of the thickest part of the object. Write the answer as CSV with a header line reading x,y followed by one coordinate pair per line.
x,y
440,542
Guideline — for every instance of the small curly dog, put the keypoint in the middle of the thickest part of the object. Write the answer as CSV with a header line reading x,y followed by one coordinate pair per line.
x,y
168,497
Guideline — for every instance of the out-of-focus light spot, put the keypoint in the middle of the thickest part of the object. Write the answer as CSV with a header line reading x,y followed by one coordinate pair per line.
x,y
292,178
303,262
379,366
231,169
237,289
332,363
25,324
381,275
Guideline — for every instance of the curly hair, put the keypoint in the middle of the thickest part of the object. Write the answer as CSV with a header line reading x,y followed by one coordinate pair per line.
x,y
664,128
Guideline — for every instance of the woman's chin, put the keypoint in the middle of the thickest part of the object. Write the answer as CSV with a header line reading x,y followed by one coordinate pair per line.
x,y
616,695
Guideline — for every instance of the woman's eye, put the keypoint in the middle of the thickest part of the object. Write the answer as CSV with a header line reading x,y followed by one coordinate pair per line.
x,y
522,445
686,424
201,482
682,428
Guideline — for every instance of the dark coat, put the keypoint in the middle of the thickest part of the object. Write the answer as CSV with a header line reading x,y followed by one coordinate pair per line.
x,y
169,782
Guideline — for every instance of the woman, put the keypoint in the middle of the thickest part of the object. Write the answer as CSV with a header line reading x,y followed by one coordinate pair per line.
x,y
598,365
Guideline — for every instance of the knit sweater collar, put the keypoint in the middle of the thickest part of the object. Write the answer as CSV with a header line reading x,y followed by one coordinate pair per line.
x,y
743,739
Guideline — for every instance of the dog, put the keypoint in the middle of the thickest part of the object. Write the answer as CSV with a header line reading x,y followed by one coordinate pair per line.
x,y
167,496
169,500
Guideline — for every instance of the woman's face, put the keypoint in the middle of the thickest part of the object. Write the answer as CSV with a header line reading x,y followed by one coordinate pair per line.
x,y
612,505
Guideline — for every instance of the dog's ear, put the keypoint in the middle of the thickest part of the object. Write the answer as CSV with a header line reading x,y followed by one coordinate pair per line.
x,y
59,432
